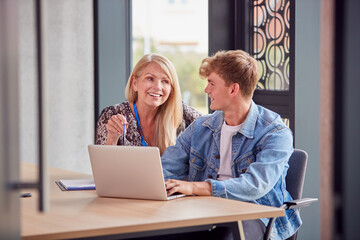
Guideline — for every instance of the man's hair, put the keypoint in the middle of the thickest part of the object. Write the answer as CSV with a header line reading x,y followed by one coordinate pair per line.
x,y
169,115
235,66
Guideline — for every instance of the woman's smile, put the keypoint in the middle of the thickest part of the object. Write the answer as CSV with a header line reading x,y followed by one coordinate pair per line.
x,y
155,94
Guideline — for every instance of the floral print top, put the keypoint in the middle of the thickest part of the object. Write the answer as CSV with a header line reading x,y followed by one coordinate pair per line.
x,y
133,136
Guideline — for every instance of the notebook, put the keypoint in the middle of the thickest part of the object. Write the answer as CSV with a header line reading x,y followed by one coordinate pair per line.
x,y
77,184
128,172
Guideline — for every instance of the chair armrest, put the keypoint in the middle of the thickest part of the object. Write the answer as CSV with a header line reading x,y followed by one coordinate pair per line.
x,y
298,203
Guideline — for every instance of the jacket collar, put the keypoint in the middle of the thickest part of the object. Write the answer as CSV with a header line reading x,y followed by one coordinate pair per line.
x,y
216,120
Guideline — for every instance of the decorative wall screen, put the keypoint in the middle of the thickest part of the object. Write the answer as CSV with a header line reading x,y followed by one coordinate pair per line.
x,y
272,44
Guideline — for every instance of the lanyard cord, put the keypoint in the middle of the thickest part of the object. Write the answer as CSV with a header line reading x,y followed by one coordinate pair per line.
x,y
138,123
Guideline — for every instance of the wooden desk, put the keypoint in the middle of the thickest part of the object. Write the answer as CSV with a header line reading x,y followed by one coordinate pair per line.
x,y
76,214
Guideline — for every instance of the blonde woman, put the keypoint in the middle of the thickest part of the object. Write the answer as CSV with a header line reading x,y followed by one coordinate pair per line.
x,y
154,114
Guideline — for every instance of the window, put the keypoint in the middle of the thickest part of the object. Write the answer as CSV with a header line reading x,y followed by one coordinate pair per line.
x,y
178,30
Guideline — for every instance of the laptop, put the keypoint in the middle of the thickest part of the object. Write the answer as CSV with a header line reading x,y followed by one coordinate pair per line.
x,y
128,172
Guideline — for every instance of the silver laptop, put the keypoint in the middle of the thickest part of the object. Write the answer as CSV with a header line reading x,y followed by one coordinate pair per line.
x,y
128,172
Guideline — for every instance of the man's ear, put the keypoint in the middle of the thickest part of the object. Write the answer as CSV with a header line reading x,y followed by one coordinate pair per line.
x,y
235,89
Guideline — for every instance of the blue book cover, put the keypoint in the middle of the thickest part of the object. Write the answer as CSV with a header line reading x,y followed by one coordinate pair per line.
x,y
78,184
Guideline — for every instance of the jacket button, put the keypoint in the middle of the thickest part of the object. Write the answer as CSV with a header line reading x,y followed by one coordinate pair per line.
x,y
217,156
210,176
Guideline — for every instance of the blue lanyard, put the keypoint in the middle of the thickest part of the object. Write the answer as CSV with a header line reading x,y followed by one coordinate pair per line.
x,y
138,123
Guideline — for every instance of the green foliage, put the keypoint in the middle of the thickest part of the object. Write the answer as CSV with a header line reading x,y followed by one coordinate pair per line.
x,y
187,67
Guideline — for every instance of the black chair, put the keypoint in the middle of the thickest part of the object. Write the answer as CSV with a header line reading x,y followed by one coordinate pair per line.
x,y
294,184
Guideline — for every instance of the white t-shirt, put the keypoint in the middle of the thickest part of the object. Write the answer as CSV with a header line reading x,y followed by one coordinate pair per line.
x,y
227,132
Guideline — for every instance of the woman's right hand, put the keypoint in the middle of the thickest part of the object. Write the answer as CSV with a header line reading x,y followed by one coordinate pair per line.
x,y
114,129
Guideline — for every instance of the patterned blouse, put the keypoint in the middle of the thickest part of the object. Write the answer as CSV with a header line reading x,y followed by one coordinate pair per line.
x,y
133,136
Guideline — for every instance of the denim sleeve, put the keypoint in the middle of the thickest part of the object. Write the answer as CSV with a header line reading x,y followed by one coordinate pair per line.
x,y
262,175
218,188
175,159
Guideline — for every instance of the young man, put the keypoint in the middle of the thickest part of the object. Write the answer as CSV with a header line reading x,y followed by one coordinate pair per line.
x,y
240,152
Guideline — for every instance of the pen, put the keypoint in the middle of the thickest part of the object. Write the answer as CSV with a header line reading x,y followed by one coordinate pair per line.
x,y
124,131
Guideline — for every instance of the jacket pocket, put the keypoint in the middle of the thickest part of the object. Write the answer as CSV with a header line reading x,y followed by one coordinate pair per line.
x,y
244,162
197,162
197,167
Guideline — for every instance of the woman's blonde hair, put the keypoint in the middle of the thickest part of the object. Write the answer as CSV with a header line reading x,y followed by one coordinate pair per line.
x,y
169,115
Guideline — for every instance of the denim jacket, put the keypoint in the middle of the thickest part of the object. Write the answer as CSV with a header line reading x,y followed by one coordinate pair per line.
x,y
259,162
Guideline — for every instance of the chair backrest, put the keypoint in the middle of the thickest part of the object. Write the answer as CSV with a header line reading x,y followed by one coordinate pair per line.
x,y
296,173
294,182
